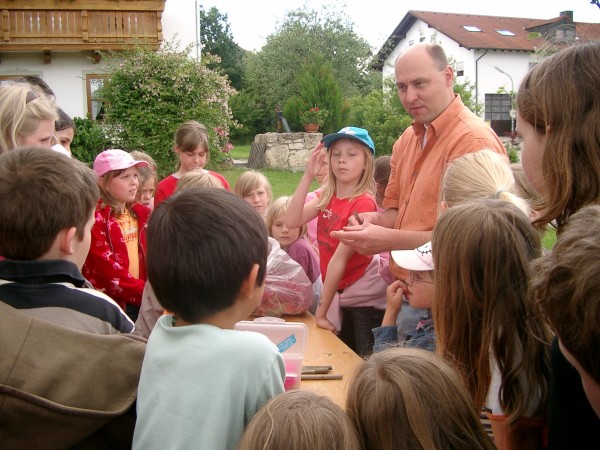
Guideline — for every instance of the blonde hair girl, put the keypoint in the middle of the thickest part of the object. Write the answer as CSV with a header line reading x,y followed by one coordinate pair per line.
x,y
255,189
278,208
27,117
116,261
300,420
193,153
347,293
410,399
486,322
483,174
292,240
198,179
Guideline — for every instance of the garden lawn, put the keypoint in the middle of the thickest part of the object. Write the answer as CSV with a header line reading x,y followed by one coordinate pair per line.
x,y
283,182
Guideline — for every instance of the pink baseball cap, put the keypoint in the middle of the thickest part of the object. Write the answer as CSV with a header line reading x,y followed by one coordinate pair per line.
x,y
115,159
419,259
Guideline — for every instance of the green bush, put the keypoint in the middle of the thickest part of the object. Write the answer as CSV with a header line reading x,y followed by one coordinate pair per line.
x,y
151,93
513,153
90,139
318,88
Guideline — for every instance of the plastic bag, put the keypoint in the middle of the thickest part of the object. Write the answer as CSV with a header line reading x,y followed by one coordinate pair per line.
x,y
288,289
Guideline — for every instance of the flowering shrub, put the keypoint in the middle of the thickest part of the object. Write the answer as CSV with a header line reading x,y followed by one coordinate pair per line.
x,y
313,115
150,93
222,140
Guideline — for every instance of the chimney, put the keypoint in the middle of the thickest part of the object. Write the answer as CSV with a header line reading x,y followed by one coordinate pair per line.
x,y
568,14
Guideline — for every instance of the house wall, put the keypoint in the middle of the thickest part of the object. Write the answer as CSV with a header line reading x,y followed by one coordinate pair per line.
x,y
488,79
68,69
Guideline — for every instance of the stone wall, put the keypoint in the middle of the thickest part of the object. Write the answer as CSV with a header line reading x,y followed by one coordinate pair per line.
x,y
288,151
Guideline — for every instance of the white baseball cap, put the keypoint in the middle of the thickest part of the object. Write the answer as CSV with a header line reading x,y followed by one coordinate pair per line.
x,y
420,259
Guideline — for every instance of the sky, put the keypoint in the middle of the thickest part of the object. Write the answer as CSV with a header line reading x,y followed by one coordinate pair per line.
x,y
252,21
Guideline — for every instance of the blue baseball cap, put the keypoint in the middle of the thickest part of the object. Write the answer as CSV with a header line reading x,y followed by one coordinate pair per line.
x,y
358,134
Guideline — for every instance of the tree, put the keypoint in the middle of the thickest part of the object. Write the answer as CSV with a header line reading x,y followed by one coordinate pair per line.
x,y
216,38
304,36
318,88
151,93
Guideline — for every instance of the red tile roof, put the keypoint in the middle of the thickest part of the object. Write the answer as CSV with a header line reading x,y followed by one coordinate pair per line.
x,y
452,25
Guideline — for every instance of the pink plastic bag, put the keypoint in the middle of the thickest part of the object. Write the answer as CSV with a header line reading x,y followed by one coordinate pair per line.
x,y
288,289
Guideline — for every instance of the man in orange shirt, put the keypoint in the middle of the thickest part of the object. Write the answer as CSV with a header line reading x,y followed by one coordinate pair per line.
x,y
443,129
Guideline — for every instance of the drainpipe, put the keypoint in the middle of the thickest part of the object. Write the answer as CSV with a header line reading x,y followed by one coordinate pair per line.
x,y
477,77
198,43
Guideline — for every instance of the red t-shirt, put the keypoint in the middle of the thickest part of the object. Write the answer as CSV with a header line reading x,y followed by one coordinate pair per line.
x,y
333,218
167,186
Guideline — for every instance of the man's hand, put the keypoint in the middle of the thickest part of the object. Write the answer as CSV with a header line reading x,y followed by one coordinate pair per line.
x,y
365,217
366,239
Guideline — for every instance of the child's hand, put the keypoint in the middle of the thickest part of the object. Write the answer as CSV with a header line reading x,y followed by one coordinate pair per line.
x,y
323,322
394,294
315,160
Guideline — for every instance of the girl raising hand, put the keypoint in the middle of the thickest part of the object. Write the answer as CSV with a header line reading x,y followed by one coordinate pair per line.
x,y
353,292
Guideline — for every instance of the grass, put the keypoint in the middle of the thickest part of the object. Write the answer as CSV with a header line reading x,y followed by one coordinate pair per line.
x,y
240,151
283,182
549,239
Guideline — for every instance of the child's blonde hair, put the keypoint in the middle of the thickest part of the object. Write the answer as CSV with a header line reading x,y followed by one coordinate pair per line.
x,y
251,180
197,178
483,174
280,206
22,107
409,398
366,184
300,420
482,306
139,155
524,189
144,174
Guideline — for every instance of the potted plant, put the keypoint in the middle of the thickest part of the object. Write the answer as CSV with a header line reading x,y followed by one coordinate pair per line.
x,y
313,118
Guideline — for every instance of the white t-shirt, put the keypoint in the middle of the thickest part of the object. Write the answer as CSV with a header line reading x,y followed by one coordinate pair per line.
x,y
200,385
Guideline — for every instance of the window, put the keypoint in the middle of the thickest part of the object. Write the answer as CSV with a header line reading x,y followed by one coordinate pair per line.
x,y
497,113
497,106
505,32
460,69
471,28
95,104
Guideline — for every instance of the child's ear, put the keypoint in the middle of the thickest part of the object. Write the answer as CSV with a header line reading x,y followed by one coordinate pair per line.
x,y
443,206
176,149
65,239
249,284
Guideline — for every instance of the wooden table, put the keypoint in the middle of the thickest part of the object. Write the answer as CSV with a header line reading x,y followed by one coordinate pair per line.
x,y
325,349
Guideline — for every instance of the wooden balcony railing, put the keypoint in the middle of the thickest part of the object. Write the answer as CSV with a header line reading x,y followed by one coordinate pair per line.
x,y
75,25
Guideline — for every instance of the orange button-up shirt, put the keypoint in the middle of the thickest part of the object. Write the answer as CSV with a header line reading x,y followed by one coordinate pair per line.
x,y
416,171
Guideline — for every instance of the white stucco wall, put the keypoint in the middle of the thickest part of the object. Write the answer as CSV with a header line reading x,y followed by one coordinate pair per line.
x,y
67,71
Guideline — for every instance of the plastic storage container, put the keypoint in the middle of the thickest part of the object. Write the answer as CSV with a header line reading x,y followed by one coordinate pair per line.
x,y
289,337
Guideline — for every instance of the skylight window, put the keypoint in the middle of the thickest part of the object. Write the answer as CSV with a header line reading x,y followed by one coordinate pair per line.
x,y
505,32
471,28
